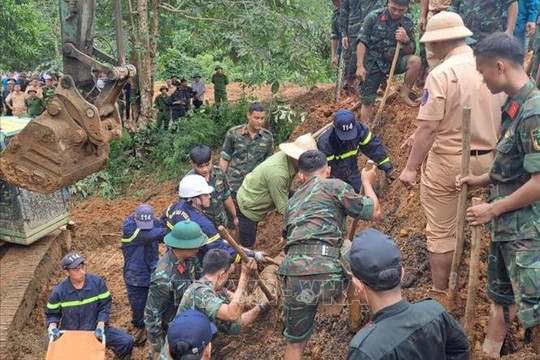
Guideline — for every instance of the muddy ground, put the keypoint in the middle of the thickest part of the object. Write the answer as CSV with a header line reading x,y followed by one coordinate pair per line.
x,y
99,224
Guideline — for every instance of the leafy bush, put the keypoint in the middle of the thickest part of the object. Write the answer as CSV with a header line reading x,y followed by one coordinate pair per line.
x,y
150,152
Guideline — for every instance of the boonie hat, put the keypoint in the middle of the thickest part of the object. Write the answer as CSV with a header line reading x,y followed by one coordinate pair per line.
x,y
144,217
186,235
197,75
375,260
71,260
345,125
444,26
192,327
299,146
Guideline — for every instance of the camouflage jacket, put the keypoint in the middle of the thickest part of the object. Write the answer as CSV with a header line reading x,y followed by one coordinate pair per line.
x,y
163,103
482,17
201,296
169,281
378,34
316,214
216,212
353,13
335,33
220,82
518,157
245,153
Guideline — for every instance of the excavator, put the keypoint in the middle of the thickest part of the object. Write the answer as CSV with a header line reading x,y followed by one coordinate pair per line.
x,y
70,140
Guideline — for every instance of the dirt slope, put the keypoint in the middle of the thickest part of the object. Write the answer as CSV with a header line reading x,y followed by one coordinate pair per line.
x,y
99,224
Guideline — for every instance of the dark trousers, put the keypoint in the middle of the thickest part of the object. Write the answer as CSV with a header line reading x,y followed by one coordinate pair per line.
x,y
120,341
247,228
197,103
178,113
137,296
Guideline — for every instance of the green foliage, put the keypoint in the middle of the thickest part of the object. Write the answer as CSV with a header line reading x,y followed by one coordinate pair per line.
x,y
163,156
27,33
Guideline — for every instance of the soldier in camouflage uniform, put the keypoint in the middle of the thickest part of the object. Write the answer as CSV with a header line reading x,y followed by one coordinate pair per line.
x,y
335,34
315,229
245,147
209,295
163,106
483,17
377,42
352,15
535,46
175,271
201,164
514,209
220,81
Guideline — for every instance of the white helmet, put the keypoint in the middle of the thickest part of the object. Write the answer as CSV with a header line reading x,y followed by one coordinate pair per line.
x,y
192,186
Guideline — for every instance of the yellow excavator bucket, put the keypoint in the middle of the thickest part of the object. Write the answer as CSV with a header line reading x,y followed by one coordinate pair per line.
x,y
69,141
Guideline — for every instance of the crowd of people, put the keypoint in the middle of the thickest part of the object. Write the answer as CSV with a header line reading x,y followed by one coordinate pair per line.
x,y
26,94
178,96
180,301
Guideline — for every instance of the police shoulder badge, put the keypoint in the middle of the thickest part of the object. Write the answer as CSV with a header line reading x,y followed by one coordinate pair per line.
x,y
425,97
535,137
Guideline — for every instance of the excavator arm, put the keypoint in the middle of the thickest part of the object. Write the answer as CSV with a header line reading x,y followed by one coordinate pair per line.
x,y
70,140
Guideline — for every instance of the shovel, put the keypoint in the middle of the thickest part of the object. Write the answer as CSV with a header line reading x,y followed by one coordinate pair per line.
x,y
377,121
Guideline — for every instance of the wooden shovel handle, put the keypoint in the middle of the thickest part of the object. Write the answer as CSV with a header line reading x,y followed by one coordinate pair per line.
x,y
354,225
245,259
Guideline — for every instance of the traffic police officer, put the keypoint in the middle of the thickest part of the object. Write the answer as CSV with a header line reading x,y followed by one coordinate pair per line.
x,y
83,302
342,143
449,87
141,233
174,272
514,207
423,330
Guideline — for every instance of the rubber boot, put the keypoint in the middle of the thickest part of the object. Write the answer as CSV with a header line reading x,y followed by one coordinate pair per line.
x,y
139,336
405,92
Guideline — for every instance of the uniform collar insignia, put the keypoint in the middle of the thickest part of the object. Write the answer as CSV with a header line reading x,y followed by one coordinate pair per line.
x,y
513,109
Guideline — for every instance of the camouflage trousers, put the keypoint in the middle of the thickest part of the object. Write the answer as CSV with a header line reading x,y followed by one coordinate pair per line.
x,y
514,277
349,68
301,298
375,76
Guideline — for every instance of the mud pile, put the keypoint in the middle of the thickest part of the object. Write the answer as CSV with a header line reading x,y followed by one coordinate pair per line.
x,y
99,224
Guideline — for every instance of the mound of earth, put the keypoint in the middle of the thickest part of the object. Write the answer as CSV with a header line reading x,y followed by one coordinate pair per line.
x,y
99,223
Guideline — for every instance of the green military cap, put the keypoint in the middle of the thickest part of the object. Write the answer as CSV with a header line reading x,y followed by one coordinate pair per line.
x,y
186,235
197,75
163,87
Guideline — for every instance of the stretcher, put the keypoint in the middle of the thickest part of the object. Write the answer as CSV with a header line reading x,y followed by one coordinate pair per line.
x,y
75,344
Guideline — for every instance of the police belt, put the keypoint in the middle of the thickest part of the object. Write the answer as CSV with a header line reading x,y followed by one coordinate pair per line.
x,y
315,249
502,190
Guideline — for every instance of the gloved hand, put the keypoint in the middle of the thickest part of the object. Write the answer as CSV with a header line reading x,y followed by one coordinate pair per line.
x,y
53,331
259,255
100,329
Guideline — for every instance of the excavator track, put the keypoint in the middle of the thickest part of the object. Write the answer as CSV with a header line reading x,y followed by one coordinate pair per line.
x,y
23,272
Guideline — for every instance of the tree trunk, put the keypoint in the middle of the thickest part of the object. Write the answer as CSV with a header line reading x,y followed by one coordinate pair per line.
x,y
145,69
154,33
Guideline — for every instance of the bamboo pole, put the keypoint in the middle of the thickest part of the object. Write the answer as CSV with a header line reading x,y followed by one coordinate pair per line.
x,y
476,245
388,85
462,204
